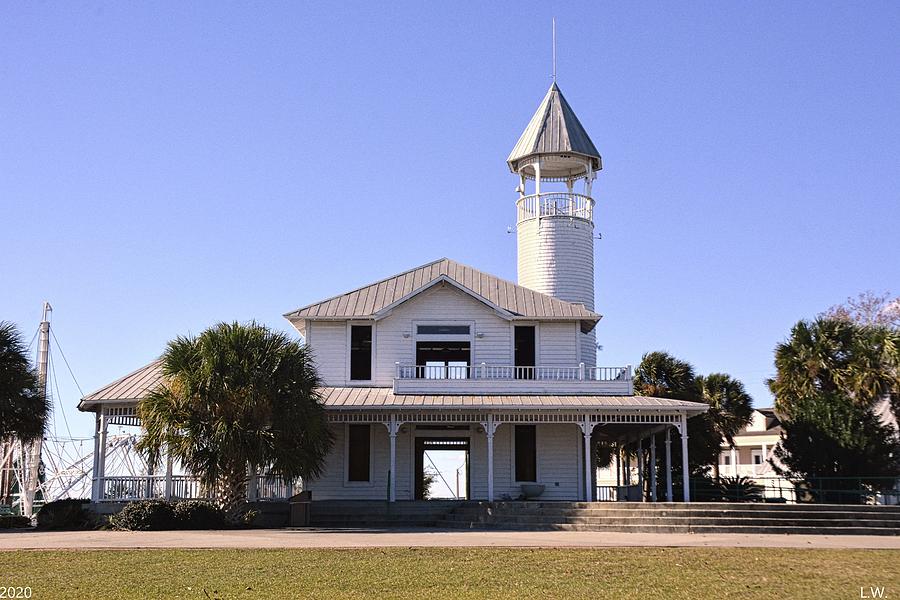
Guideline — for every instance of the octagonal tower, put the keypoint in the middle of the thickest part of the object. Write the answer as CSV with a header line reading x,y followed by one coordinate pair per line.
x,y
555,229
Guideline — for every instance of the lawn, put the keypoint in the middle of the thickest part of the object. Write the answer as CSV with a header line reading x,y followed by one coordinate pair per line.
x,y
453,573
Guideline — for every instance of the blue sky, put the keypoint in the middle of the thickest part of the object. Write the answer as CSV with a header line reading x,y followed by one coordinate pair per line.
x,y
169,165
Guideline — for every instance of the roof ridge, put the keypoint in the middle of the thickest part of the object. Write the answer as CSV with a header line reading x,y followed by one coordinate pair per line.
x,y
576,310
368,285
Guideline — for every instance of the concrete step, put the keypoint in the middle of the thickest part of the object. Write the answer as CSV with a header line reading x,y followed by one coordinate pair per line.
x,y
527,521
763,506
649,528
650,513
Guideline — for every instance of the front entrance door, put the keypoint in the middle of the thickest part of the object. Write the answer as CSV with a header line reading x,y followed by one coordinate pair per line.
x,y
435,444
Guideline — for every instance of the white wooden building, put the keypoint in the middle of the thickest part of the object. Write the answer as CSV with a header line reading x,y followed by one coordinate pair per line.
x,y
445,356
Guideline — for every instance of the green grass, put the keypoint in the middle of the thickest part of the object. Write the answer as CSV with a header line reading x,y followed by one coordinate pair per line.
x,y
453,573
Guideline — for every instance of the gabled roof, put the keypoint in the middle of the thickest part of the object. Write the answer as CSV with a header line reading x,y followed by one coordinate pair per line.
x,y
554,129
131,387
513,301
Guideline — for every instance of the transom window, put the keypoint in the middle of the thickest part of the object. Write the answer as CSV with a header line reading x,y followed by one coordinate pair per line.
x,y
443,330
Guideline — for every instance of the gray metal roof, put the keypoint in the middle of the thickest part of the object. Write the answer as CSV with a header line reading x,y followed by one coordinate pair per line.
x,y
131,387
518,301
554,129
351,398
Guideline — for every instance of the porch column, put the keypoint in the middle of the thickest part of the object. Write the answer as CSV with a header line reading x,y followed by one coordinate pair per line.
x,y
653,468
101,455
489,428
734,457
640,462
95,467
168,475
685,473
668,464
618,466
627,464
586,430
393,428
765,458
252,483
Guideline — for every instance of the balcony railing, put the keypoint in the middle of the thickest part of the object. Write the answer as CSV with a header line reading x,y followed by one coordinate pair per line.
x,y
510,379
555,204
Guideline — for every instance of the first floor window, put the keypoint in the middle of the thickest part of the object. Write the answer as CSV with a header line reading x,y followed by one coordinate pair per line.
x,y
526,453
358,453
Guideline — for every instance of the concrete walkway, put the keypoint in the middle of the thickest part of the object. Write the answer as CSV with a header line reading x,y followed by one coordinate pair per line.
x,y
332,538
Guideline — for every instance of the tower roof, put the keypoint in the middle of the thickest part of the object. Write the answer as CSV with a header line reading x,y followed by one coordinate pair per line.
x,y
554,129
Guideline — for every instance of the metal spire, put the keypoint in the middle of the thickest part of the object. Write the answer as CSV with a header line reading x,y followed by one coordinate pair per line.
x,y
554,49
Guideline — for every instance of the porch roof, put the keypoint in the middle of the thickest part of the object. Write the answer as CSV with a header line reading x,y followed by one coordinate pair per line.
x,y
371,398
130,388
133,387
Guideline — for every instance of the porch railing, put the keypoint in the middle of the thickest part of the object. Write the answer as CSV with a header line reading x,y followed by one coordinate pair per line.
x,y
184,487
485,371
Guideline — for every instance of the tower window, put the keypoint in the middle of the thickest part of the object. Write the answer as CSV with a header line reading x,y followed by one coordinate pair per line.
x,y
361,352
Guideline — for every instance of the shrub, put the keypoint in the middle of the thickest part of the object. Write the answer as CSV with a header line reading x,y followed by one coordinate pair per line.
x,y
14,522
196,514
65,514
158,515
740,489
146,515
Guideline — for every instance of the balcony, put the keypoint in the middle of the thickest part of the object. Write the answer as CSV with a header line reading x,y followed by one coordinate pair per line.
x,y
555,204
512,380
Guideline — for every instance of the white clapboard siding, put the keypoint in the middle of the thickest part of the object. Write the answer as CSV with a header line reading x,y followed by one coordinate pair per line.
x,y
558,453
556,257
328,341
443,303
588,350
558,344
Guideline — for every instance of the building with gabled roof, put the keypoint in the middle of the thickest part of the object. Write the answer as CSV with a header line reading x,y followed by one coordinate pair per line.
x,y
444,356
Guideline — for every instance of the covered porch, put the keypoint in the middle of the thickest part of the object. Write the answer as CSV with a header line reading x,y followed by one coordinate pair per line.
x,y
121,474
384,432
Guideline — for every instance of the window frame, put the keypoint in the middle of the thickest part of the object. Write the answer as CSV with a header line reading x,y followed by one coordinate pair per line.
x,y
347,481
537,462
372,362
438,337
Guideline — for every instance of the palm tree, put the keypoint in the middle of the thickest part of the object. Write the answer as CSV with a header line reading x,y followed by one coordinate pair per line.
x,y
661,375
837,356
730,406
831,375
237,398
23,408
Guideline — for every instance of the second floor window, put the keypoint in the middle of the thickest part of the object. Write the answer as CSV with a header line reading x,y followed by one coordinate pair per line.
x,y
360,352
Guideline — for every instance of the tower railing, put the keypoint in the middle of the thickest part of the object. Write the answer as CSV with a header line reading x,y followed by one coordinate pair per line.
x,y
555,204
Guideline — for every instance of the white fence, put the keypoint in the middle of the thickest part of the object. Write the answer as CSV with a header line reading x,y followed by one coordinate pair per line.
x,y
185,487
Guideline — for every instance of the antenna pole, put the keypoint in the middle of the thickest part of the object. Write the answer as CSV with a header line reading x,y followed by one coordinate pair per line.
x,y
554,49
